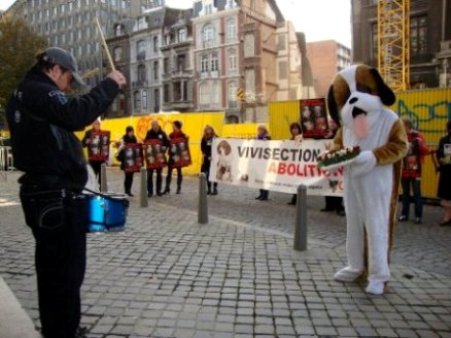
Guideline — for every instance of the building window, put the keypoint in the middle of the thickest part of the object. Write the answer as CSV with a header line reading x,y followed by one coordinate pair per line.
x,y
283,71
249,76
155,44
141,50
204,64
214,61
233,62
418,35
117,54
181,62
144,100
142,74
231,29
181,35
208,36
166,65
249,45
155,70
119,30
281,42
233,87
166,93
137,101
156,97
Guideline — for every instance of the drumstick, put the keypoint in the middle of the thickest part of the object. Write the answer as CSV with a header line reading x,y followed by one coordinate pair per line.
x,y
105,46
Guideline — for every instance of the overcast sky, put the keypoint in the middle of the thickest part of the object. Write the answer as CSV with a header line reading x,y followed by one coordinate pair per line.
x,y
318,19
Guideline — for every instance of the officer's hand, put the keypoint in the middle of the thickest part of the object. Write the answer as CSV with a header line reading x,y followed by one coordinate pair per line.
x,y
117,77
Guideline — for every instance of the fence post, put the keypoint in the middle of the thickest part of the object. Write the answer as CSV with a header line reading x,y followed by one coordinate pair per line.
x,y
103,178
300,226
143,191
202,213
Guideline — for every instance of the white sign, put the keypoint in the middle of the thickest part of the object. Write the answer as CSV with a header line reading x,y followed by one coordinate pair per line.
x,y
274,165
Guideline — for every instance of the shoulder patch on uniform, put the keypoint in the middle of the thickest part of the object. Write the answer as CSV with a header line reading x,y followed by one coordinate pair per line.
x,y
59,96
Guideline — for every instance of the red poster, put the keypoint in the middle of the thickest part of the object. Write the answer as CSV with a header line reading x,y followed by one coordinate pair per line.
x,y
179,153
132,157
99,146
154,154
314,118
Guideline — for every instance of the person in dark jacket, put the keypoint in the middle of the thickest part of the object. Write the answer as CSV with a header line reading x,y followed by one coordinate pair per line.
x,y
177,133
87,139
128,138
205,147
442,160
42,121
263,134
156,133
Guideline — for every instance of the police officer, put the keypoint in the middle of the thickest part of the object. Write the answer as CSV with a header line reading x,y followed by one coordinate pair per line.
x,y
42,119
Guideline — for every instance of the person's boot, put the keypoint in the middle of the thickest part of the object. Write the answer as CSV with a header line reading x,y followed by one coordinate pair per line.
x,y
179,190
215,191
167,190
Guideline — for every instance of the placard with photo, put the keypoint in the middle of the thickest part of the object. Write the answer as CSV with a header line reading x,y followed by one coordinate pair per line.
x,y
99,146
180,154
154,154
132,157
314,118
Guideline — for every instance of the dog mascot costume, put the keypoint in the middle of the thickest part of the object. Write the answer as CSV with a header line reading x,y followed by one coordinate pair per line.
x,y
356,102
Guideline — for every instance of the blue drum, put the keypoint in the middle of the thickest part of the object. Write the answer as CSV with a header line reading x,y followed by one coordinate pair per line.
x,y
107,212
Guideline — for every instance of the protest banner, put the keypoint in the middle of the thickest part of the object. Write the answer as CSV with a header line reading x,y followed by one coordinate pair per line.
x,y
180,154
274,165
99,146
154,153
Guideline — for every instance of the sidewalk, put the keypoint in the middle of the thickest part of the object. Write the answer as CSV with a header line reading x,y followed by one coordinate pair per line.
x,y
238,276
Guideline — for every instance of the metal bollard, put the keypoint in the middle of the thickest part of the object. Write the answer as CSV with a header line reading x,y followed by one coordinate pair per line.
x,y
103,179
202,213
144,202
300,227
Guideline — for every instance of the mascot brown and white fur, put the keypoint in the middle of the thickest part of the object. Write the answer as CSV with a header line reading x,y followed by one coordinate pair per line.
x,y
356,102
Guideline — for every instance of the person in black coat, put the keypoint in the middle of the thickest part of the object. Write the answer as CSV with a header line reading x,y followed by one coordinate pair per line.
x,y
156,133
42,119
128,138
205,146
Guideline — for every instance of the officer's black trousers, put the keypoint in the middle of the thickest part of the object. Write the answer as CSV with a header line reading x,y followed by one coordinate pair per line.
x,y
59,227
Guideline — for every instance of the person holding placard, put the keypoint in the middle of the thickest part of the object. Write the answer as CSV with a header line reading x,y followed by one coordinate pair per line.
x,y
443,159
205,146
178,156
98,142
159,142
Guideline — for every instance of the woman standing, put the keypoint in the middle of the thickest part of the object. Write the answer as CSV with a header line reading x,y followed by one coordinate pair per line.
x,y
205,146
444,167
87,139
177,133
128,138
296,135
263,135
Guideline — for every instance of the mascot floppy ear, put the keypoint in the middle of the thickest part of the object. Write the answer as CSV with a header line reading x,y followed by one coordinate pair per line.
x,y
385,93
332,106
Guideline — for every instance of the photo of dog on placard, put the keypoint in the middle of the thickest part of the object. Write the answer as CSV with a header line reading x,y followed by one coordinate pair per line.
x,y
224,165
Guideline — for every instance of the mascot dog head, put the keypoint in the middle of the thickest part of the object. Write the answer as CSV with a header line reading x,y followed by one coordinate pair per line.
x,y
355,97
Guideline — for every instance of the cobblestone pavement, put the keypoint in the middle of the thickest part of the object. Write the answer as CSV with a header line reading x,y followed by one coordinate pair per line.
x,y
238,276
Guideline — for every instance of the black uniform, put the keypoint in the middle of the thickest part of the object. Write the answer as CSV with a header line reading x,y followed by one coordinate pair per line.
x,y
156,135
42,120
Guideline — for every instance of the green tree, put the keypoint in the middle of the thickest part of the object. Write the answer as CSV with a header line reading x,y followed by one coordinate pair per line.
x,y
18,48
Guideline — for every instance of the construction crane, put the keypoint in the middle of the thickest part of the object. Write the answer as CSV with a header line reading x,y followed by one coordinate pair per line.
x,y
393,30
